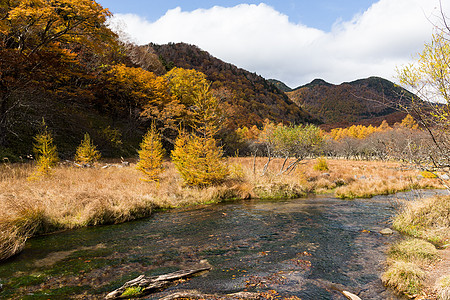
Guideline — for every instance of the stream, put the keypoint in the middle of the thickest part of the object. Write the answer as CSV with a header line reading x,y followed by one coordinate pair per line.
x,y
309,248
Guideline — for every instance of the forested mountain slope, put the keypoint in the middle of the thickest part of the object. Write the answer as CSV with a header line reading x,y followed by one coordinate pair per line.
x,y
367,100
249,97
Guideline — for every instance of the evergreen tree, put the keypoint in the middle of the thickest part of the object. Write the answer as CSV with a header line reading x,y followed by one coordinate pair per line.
x,y
87,152
45,152
151,155
199,160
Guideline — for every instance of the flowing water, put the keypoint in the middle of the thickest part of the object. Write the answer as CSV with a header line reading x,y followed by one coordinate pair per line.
x,y
310,248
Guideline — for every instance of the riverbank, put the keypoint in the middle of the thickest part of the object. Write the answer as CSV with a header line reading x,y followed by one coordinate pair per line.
x,y
419,266
113,193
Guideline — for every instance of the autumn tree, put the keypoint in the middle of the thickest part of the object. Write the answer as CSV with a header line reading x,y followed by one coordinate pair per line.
x,y
196,155
295,142
41,44
199,160
87,152
192,89
45,152
140,94
151,155
429,78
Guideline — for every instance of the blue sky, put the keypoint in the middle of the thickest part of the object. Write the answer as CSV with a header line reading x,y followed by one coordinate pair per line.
x,y
292,41
321,14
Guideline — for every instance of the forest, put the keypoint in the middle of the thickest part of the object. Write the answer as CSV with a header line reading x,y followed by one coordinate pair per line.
x,y
96,131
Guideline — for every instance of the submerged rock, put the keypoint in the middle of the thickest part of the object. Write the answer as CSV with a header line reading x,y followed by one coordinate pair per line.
x,y
387,231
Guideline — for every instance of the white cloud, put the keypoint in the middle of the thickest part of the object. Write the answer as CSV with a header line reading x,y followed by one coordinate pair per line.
x,y
260,39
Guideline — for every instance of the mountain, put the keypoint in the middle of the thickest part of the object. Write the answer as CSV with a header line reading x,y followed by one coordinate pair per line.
x,y
280,85
249,97
364,101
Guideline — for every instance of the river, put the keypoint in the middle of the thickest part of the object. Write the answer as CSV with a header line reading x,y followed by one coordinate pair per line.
x,y
309,248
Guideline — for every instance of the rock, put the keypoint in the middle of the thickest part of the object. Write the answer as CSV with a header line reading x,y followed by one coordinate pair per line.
x,y
350,296
326,175
387,231
444,177
125,163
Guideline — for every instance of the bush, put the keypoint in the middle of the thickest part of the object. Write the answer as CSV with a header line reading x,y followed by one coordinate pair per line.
x,y
87,152
151,155
199,160
321,164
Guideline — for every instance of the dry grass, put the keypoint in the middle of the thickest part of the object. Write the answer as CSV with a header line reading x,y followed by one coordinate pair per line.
x,y
348,179
427,219
405,277
75,197
442,287
407,262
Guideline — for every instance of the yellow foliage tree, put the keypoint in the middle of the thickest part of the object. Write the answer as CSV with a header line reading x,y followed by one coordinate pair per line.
x,y
45,152
199,160
409,122
151,155
87,152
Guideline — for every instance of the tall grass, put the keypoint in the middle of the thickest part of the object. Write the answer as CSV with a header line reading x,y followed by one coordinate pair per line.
x,y
427,219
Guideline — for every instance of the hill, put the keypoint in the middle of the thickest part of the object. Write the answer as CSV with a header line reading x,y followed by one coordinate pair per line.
x,y
280,85
249,97
364,101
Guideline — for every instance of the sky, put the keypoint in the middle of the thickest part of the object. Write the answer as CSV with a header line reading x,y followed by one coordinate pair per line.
x,y
292,41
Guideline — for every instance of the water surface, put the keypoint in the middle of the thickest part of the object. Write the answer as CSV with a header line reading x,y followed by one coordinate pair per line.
x,y
309,248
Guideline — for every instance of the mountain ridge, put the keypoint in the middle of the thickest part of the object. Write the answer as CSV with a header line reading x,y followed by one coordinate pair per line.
x,y
358,101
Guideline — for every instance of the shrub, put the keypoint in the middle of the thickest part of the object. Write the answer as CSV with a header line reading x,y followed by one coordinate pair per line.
x,y
321,164
151,155
199,160
87,152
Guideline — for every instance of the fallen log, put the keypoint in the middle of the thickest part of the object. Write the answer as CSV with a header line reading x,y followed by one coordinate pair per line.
x,y
146,285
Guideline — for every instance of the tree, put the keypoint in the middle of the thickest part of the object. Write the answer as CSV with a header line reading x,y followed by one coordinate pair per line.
x,y
140,94
45,152
290,142
43,44
193,90
429,78
87,152
199,160
151,155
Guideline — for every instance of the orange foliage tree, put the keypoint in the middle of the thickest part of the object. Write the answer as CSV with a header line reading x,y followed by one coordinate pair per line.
x,y
41,41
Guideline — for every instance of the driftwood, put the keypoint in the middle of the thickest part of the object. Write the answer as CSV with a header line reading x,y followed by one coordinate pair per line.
x,y
149,284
